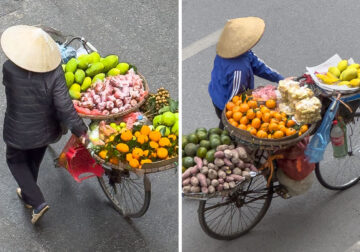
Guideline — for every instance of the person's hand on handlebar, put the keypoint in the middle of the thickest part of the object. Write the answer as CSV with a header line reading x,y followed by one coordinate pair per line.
x,y
84,139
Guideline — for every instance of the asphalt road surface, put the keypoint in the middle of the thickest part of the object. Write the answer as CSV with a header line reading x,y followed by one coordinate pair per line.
x,y
298,34
81,218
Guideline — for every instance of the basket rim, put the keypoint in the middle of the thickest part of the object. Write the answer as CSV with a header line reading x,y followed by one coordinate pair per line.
x,y
125,112
157,166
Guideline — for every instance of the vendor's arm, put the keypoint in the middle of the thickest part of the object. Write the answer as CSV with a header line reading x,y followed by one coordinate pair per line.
x,y
64,106
262,70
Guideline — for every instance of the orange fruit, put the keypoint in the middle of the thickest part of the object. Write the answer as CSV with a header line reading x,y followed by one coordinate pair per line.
x,y
244,108
290,131
278,116
261,134
282,123
236,109
258,114
282,128
274,120
269,136
283,114
270,104
244,120
290,123
252,104
300,133
242,126
228,114
304,128
278,134
266,117
230,105
272,113
250,114
238,103
264,110
235,124
273,127
252,131
265,127
235,99
256,123
237,116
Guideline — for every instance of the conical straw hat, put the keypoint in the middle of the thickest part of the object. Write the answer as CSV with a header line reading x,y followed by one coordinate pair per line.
x,y
30,48
239,35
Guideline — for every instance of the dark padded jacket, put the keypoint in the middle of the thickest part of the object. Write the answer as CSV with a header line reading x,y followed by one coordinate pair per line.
x,y
36,105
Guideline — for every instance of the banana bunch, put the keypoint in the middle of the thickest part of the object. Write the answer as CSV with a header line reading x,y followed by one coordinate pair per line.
x,y
327,78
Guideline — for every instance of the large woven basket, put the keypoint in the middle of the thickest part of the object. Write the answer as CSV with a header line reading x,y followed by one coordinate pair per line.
x,y
123,113
146,168
245,137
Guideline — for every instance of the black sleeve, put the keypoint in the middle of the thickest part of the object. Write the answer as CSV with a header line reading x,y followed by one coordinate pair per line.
x,y
64,105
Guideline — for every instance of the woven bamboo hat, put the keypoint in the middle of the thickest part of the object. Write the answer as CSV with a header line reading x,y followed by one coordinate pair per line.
x,y
30,48
239,35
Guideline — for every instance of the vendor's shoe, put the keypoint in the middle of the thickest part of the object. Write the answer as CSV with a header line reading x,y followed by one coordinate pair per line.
x,y
18,192
37,214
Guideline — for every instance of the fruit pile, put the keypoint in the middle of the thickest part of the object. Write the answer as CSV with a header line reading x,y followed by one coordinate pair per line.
x,y
159,103
214,164
142,144
261,120
342,75
202,143
102,86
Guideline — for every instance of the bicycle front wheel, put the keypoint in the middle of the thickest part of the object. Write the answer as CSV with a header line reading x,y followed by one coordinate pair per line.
x,y
342,173
128,192
230,217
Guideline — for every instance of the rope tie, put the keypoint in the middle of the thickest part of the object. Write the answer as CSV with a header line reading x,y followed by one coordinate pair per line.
x,y
269,164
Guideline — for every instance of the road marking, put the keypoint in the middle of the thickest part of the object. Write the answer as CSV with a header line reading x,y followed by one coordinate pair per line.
x,y
201,45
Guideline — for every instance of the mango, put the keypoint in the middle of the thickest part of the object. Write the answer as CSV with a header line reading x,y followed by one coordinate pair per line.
x,y
355,65
113,72
71,65
69,78
86,84
342,65
95,69
95,57
83,61
79,76
109,62
348,74
344,83
335,71
74,94
355,82
98,77
123,67
75,87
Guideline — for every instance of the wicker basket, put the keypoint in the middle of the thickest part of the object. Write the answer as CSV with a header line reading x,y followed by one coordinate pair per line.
x,y
146,168
245,137
123,113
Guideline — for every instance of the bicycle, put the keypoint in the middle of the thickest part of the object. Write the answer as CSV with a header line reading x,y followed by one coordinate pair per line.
x,y
230,215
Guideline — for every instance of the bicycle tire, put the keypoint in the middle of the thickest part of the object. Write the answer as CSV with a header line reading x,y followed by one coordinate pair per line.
x,y
206,227
119,203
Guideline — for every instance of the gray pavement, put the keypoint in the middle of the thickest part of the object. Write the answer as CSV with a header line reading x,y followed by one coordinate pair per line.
x,y
298,34
81,218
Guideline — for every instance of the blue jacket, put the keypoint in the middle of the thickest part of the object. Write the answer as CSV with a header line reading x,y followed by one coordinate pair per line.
x,y
232,76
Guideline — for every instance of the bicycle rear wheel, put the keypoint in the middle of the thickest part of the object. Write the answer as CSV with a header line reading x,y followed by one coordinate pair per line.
x,y
128,192
342,173
230,217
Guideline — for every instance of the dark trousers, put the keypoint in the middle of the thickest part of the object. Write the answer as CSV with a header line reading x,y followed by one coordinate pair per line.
x,y
24,166
218,113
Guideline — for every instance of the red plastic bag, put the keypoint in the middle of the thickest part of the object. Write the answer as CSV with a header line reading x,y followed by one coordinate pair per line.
x,y
295,165
78,161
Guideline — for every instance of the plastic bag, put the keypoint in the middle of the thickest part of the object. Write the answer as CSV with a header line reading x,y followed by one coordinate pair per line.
x,y
67,53
295,187
316,148
295,165
78,161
